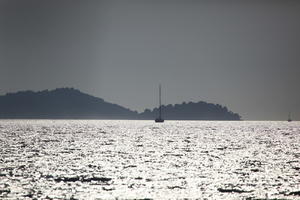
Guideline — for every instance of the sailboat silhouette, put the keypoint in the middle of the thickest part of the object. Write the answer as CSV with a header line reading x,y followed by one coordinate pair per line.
x,y
289,119
159,119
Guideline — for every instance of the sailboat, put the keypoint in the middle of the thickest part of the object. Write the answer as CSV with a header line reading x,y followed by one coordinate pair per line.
x,y
289,119
159,119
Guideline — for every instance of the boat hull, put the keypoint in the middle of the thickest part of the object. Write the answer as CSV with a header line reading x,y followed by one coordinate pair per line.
x,y
159,120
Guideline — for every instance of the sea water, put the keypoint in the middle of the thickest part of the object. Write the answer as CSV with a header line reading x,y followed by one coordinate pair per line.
x,y
102,159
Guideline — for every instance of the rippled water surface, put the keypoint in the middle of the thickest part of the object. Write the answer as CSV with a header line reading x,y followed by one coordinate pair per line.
x,y
74,159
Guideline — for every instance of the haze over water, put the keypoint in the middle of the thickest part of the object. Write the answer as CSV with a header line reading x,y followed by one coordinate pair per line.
x,y
101,159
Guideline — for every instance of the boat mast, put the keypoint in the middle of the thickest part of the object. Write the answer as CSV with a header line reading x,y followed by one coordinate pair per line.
x,y
159,101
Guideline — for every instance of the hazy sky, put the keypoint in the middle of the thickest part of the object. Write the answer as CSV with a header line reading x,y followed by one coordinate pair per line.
x,y
242,54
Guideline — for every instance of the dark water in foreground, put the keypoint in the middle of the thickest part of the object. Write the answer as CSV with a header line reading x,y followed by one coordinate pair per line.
x,y
61,159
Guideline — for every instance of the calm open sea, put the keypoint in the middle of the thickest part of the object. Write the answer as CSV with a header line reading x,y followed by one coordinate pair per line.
x,y
102,159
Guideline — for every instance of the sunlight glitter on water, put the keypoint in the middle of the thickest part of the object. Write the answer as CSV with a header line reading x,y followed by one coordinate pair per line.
x,y
102,159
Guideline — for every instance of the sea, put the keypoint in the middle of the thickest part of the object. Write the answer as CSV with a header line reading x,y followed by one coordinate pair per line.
x,y
135,159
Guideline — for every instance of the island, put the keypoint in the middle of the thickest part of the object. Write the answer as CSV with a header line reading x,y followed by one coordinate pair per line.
x,y
70,103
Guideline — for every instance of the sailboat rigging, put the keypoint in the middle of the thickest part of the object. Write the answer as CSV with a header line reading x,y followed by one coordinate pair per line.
x,y
159,119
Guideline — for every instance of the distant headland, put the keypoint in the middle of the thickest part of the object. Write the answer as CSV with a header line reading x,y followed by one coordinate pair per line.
x,y
69,103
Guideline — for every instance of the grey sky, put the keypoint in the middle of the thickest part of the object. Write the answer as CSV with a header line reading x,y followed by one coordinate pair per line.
x,y
242,54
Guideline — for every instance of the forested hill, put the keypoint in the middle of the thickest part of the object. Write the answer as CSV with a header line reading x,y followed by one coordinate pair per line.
x,y
62,103
193,111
